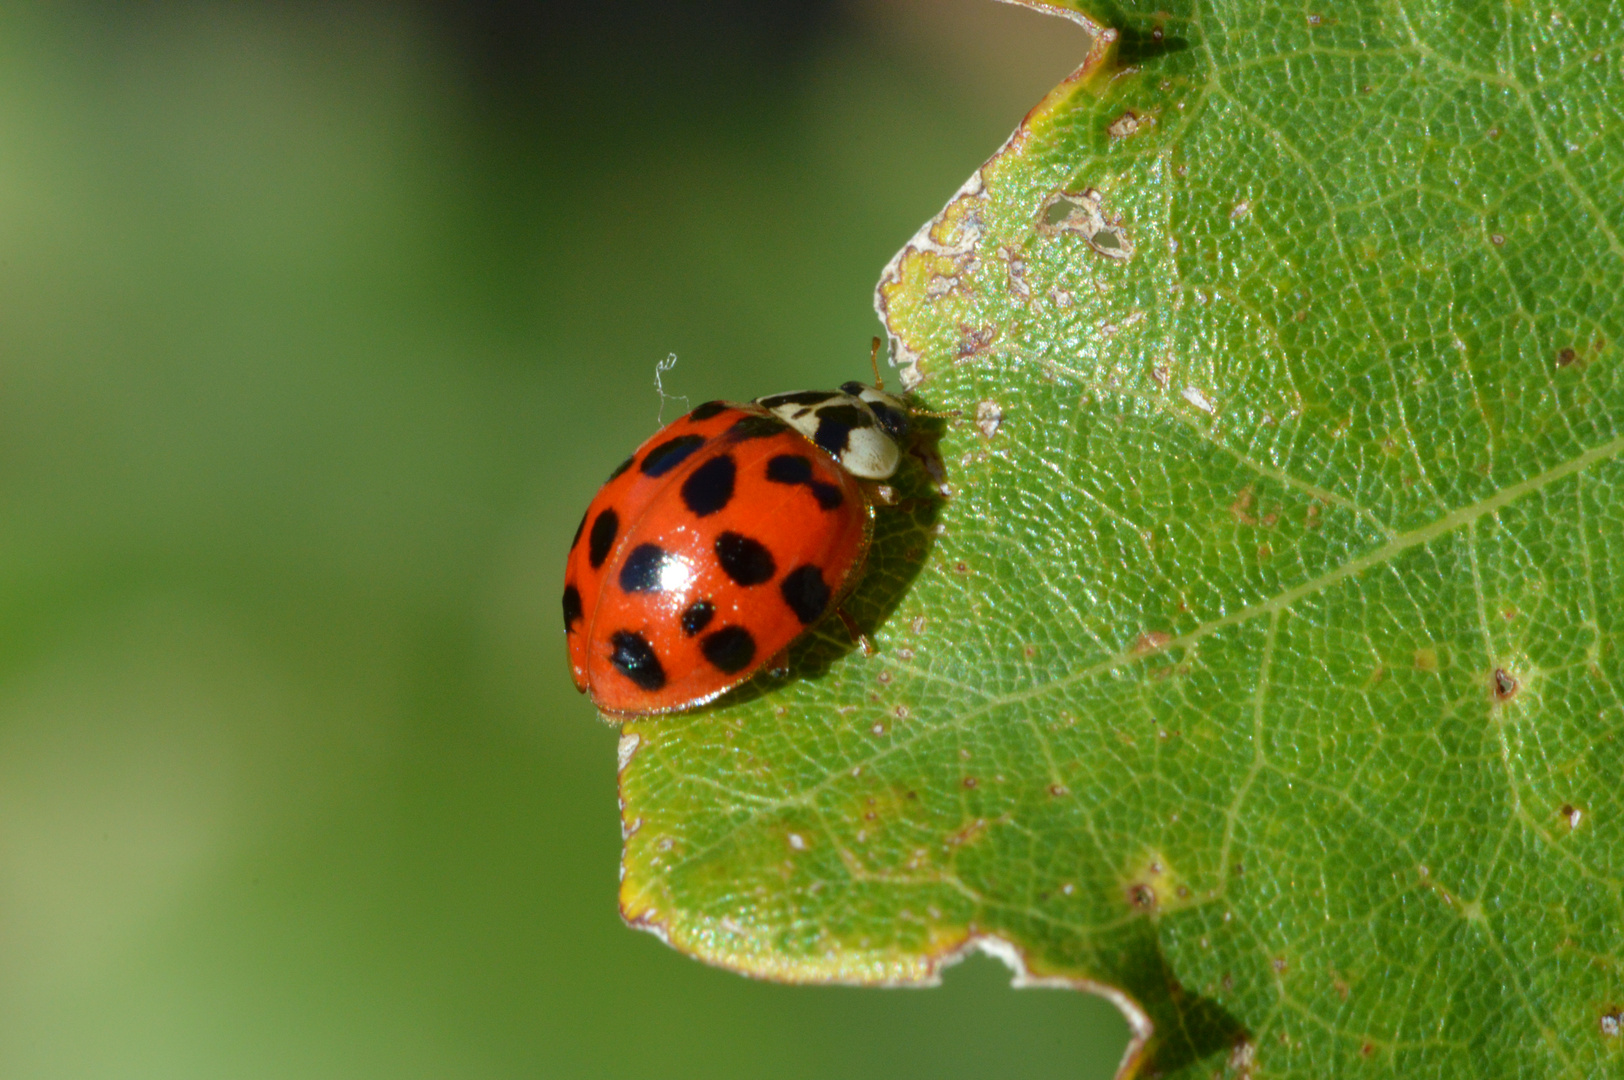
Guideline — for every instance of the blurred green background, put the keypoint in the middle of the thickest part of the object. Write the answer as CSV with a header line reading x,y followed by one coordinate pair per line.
x,y
319,325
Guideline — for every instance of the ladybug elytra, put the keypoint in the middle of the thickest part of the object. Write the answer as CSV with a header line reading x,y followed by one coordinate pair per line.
x,y
720,541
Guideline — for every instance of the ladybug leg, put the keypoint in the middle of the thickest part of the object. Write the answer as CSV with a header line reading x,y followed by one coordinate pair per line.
x,y
857,635
887,496
931,462
778,666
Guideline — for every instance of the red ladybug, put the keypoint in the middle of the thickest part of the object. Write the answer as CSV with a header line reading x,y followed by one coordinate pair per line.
x,y
720,541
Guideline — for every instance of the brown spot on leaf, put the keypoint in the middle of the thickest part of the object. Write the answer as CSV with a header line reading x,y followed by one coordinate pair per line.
x,y
1150,642
1238,508
968,834
973,340
1565,357
1611,1022
1505,686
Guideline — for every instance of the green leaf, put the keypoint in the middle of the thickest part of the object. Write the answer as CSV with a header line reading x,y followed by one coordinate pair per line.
x,y
1261,668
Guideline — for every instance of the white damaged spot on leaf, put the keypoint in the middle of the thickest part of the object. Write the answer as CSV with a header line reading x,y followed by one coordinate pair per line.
x,y
1129,123
1083,213
625,749
1198,399
989,417
1015,270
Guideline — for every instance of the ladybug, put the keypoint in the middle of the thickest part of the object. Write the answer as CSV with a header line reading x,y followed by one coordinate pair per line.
x,y
721,540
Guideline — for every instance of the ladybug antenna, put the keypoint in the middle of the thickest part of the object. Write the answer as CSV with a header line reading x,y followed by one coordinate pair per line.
x,y
874,362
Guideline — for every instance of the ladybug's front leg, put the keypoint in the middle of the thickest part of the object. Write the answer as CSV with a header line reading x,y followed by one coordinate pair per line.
x,y
857,634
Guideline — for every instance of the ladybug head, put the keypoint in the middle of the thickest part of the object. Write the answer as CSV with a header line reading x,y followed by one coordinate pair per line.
x,y
888,410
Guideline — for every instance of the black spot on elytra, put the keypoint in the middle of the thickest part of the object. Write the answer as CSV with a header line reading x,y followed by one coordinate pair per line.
x,y
730,649
602,538
697,617
789,469
836,423
671,453
572,608
805,592
634,658
621,468
744,560
707,410
795,469
828,496
798,397
641,570
757,427
710,487
854,388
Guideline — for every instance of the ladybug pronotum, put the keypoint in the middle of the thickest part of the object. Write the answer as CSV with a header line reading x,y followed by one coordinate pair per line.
x,y
721,540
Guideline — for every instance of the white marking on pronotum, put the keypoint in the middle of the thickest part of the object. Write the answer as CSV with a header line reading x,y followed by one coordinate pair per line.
x,y
660,368
1199,400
